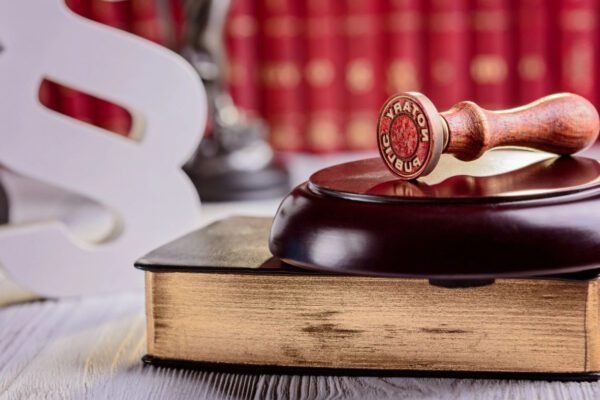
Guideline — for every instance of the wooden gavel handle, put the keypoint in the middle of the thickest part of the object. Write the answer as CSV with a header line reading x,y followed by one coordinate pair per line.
x,y
562,123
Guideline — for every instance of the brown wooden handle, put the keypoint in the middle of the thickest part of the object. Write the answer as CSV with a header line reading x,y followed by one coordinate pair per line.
x,y
562,123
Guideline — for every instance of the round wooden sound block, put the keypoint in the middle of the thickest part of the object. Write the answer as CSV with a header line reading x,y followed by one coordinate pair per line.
x,y
525,214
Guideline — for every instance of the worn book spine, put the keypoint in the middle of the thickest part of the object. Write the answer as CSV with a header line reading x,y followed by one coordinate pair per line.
x,y
404,55
241,39
76,104
281,52
111,116
490,61
324,76
449,50
533,62
577,21
176,14
145,20
72,102
364,71
48,94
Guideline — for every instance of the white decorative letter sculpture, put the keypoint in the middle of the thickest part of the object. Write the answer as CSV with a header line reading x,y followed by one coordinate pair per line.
x,y
140,181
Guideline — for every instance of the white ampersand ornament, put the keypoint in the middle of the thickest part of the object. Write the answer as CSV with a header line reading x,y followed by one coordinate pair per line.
x,y
139,181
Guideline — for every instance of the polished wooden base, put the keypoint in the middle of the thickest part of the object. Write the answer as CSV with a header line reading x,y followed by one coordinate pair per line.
x,y
541,218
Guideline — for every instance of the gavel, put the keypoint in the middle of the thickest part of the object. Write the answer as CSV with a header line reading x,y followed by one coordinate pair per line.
x,y
412,134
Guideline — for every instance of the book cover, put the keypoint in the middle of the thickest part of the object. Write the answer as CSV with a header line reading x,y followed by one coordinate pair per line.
x,y
241,38
76,104
448,54
176,14
48,94
490,63
404,56
72,102
364,71
324,76
281,55
533,53
111,116
146,21
215,298
577,21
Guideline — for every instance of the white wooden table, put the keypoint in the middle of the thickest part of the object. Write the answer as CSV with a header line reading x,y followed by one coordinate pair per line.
x,y
90,348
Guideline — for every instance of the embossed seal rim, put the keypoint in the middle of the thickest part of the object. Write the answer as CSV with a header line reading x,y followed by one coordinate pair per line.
x,y
436,135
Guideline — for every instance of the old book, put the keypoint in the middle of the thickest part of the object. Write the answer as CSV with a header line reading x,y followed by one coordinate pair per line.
x,y
241,38
108,115
490,60
577,23
324,76
534,67
366,48
72,102
175,16
404,63
281,55
49,94
146,21
448,52
216,297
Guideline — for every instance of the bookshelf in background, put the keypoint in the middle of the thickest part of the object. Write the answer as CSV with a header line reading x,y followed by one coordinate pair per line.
x,y
48,94
146,21
318,71
449,46
70,101
280,71
534,70
324,76
365,50
577,23
118,15
404,46
241,35
491,59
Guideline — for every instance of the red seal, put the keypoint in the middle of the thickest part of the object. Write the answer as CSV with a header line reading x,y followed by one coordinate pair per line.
x,y
409,139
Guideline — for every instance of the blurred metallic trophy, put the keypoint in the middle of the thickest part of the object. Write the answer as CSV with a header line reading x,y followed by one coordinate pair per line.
x,y
234,161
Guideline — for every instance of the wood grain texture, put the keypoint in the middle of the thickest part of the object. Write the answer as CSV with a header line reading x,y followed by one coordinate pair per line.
x,y
90,349
562,123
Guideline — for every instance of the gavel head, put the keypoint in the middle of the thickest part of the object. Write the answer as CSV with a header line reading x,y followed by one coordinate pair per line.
x,y
410,135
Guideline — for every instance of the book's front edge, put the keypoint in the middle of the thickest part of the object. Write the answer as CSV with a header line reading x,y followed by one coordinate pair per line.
x,y
149,289
289,370
592,327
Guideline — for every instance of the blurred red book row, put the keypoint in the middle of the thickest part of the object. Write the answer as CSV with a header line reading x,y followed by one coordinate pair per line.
x,y
318,71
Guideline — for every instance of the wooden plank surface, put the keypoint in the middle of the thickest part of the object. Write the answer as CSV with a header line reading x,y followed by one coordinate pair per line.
x,y
90,348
